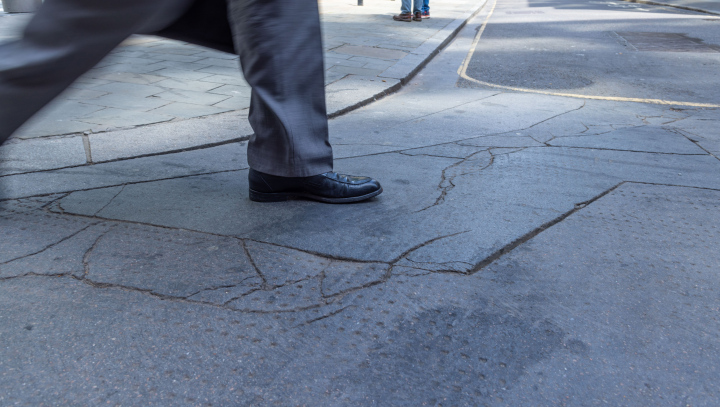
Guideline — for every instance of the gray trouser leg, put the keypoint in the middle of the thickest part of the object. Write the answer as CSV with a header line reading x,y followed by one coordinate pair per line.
x,y
280,48
64,39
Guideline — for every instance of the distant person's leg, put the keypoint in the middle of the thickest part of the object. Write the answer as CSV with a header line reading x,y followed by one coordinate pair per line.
x,y
405,13
63,40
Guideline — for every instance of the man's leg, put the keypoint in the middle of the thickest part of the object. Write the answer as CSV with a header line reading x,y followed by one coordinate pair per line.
x,y
280,48
64,39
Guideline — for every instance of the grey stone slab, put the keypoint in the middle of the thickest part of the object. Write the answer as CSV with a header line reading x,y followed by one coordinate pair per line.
x,y
126,77
329,62
87,83
506,141
223,158
111,118
232,90
184,74
130,89
226,294
186,84
450,150
125,66
29,234
36,155
228,63
345,276
168,137
66,257
350,70
192,97
371,52
89,337
300,295
645,138
352,89
281,266
187,110
81,94
177,264
227,80
234,103
38,127
122,101
166,56
221,70
175,65
637,302
180,203
405,67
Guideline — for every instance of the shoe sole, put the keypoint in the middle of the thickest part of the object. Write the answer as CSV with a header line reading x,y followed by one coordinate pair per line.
x,y
286,196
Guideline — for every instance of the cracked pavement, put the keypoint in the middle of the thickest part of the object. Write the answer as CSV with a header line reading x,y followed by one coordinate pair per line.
x,y
529,249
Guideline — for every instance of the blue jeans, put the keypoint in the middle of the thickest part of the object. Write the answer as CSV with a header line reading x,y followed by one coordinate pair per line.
x,y
417,6
425,6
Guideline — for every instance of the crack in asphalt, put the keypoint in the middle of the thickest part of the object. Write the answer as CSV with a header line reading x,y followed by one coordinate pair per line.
x,y
448,181
524,238
50,246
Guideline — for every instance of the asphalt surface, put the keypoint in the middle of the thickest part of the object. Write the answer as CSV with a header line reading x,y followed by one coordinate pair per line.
x,y
529,249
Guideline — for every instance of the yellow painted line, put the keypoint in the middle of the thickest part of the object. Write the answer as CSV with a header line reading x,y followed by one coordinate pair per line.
x,y
462,71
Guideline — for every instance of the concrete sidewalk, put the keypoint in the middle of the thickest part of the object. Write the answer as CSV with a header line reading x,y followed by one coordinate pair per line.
x,y
148,80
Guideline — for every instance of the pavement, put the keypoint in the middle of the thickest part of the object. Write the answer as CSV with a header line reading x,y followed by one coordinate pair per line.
x,y
548,234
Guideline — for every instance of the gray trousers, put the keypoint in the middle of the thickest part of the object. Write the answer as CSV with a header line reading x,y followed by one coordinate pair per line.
x,y
278,41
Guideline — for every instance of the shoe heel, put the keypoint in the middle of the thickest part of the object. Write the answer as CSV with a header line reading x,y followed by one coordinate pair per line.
x,y
267,197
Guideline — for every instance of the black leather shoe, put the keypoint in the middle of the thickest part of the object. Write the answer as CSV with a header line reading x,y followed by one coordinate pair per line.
x,y
329,187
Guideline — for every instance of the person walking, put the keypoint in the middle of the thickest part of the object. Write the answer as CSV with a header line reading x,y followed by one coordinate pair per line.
x,y
280,48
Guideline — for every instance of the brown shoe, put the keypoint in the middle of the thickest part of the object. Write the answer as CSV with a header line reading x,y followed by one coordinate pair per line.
x,y
407,17
418,16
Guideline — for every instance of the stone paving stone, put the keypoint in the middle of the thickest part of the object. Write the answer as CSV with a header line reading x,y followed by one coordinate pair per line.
x,y
81,94
232,90
183,66
37,155
234,103
649,138
167,263
173,136
185,84
173,57
228,63
183,74
87,83
221,70
28,234
121,101
112,118
187,110
302,294
370,52
224,295
65,257
38,127
189,96
355,71
126,77
345,276
129,89
227,80
281,266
